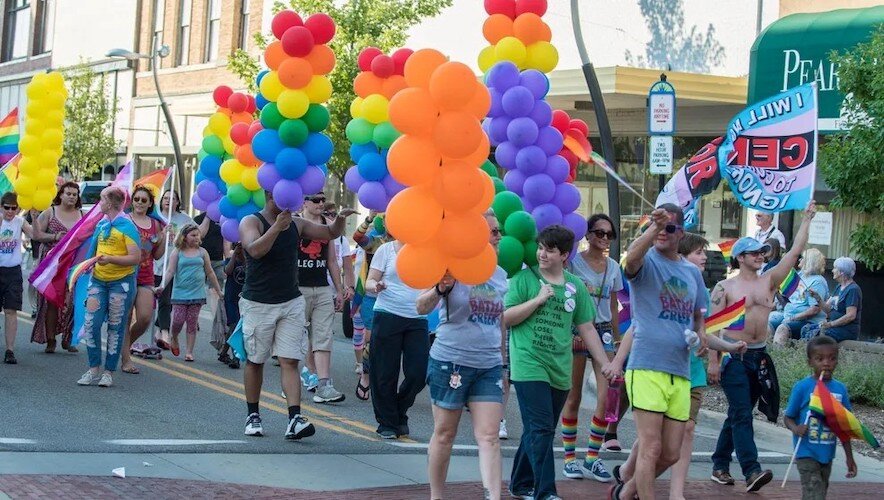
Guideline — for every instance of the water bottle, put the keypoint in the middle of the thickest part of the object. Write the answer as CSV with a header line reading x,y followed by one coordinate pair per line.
x,y
612,404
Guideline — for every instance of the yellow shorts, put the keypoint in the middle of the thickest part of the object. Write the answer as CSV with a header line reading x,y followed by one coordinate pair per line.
x,y
659,392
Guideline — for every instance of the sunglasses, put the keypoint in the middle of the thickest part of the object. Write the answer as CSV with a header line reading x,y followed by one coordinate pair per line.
x,y
671,228
604,234
316,199
141,200
10,207
495,232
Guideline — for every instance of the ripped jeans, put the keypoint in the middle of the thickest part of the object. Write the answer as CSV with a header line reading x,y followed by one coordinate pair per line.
x,y
110,301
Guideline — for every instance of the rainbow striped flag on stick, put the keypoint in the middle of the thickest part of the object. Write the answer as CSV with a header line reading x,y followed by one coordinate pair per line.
x,y
9,136
838,418
732,317
726,247
790,283
8,173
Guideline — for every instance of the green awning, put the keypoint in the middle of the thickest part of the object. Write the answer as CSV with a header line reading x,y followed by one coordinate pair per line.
x,y
795,50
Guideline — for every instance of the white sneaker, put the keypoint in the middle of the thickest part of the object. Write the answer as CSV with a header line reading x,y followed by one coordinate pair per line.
x,y
299,428
358,369
106,380
502,432
88,378
253,425
328,394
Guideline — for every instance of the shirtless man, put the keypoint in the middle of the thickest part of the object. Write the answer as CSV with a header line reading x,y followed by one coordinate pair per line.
x,y
739,375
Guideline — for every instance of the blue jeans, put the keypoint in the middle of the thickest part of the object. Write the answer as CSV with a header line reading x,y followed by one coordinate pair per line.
x,y
739,380
478,385
540,406
108,301
839,333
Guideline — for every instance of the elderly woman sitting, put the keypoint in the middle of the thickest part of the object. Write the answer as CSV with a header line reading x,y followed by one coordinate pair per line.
x,y
802,308
843,308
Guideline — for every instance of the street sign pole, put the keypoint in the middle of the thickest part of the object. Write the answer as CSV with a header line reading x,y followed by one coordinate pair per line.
x,y
661,128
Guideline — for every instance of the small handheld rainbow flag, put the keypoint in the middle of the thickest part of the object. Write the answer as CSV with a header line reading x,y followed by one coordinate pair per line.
x,y
790,283
726,247
79,269
8,174
732,317
837,417
9,136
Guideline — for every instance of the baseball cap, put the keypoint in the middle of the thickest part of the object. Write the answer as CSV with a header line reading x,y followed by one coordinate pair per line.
x,y
748,244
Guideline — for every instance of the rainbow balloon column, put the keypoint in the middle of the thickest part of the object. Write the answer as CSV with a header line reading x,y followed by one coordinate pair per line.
x,y
517,33
370,132
291,145
41,145
576,146
439,215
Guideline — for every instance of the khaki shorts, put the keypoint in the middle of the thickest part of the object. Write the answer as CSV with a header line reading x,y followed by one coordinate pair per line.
x,y
319,311
273,330
696,399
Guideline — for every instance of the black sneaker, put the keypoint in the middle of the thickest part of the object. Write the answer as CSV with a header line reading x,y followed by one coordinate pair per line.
x,y
299,428
234,363
386,434
758,479
9,358
402,431
224,358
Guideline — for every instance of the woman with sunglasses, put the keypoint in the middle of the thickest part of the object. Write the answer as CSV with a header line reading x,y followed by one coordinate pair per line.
x,y
153,247
466,368
50,228
164,302
601,275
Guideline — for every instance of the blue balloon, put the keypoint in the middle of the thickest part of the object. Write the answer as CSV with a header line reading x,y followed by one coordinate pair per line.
x,y
260,101
266,145
502,76
318,149
227,208
222,186
210,166
291,163
357,150
199,177
372,167
517,101
324,169
248,209
261,76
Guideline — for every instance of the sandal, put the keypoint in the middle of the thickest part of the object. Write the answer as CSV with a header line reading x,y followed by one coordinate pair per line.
x,y
361,391
50,346
132,371
188,358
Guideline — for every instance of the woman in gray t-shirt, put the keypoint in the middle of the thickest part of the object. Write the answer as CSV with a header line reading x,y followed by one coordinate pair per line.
x,y
465,368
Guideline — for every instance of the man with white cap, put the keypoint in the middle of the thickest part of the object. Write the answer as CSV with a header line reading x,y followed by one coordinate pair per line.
x,y
739,375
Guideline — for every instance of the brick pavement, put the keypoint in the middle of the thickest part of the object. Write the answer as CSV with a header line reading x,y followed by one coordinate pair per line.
x,y
91,487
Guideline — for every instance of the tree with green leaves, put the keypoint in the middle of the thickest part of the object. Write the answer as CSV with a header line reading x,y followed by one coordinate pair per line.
x,y
89,116
360,23
851,160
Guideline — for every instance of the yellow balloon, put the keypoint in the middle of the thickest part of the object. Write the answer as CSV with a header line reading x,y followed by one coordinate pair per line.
x,y
229,145
25,185
231,171
292,103
45,177
249,179
319,89
34,126
511,49
36,109
28,165
43,198
25,202
29,145
219,123
48,159
55,118
542,56
356,108
487,58
52,138
375,108
271,87
207,131
54,79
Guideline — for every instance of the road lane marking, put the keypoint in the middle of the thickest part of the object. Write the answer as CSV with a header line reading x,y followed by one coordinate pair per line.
x,y
171,442
16,441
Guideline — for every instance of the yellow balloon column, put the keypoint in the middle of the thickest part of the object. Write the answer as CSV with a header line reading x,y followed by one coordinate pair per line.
x,y
41,145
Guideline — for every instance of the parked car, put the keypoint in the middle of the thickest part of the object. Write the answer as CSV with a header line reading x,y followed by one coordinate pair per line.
x,y
90,192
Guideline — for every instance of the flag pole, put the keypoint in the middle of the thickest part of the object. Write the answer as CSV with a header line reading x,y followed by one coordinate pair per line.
x,y
169,221
795,451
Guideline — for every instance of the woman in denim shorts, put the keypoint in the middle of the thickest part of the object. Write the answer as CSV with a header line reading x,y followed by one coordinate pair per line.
x,y
465,368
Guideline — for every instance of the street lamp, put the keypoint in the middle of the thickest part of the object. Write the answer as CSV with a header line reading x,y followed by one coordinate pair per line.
x,y
157,53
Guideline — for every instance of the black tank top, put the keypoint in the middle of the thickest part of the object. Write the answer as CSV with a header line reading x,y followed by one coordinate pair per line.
x,y
313,262
273,279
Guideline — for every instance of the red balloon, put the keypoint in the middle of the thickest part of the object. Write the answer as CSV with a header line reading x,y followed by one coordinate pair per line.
x,y
560,120
253,106
383,66
399,58
254,128
533,6
580,125
367,56
221,94
322,26
238,102
239,133
297,41
283,21
505,7
570,157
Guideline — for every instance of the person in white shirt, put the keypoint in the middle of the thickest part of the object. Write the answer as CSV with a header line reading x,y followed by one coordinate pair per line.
x,y
11,288
766,229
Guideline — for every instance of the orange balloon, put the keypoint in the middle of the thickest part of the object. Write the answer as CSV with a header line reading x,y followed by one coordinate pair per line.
x,y
242,117
412,111
420,266
452,85
414,161
322,59
476,270
460,186
529,28
225,111
367,83
480,103
420,66
413,216
482,153
245,155
294,72
487,195
497,26
393,85
463,235
274,55
457,134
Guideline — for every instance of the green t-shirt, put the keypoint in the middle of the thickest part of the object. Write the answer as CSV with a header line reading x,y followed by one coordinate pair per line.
x,y
540,346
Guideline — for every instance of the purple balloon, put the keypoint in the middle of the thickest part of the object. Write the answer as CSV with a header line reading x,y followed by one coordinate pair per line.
x,y
539,189
198,203
213,211
536,82
352,179
557,168
527,205
268,176
518,101
514,181
208,191
550,140
312,181
391,186
505,155
373,196
576,223
546,215
496,103
497,129
541,114
288,195
230,230
567,197
502,76
522,131
530,160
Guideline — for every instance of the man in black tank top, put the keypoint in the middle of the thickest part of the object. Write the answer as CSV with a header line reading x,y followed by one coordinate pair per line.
x,y
272,306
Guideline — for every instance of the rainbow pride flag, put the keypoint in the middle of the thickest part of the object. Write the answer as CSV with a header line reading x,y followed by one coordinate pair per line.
x,y
80,269
8,174
732,317
9,136
838,418
790,283
726,247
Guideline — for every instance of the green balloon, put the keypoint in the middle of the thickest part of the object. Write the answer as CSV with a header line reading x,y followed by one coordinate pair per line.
x,y
238,194
379,225
271,117
359,131
201,154
531,253
490,169
520,225
504,204
213,145
316,118
384,135
258,198
510,254
293,132
499,186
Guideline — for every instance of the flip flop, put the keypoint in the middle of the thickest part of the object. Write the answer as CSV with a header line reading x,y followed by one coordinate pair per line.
x,y
188,358
132,371
361,389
